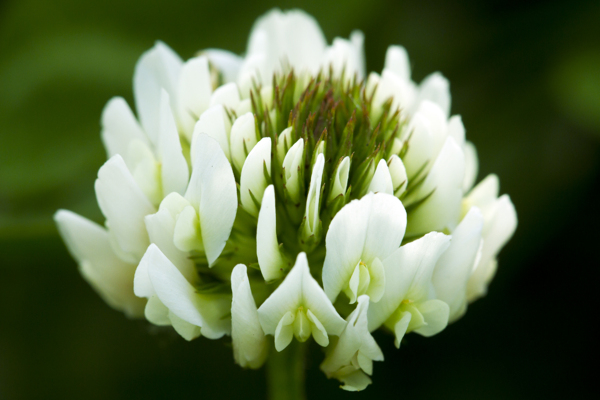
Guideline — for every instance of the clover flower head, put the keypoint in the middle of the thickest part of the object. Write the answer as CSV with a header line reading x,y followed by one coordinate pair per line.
x,y
285,195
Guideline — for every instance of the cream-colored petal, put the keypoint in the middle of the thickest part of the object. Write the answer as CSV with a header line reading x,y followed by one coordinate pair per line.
x,y
249,343
253,181
124,206
157,69
111,277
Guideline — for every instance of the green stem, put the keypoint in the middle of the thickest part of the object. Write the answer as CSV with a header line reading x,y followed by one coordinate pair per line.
x,y
285,373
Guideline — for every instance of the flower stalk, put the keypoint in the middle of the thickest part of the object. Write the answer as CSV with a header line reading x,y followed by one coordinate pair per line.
x,y
286,373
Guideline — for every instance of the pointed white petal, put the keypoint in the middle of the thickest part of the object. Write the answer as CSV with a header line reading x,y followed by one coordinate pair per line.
x,y
436,88
365,229
292,164
227,95
396,61
438,124
400,328
420,146
120,128
398,174
443,185
124,206
249,343
345,55
454,267
212,190
158,68
243,139
226,62
391,86
456,129
292,36
284,333
425,252
174,168
408,274
271,261
313,200
299,288
340,180
194,91
496,233
111,277
214,123
382,180
156,312
183,300
253,181
435,313
471,166
161,230
185,329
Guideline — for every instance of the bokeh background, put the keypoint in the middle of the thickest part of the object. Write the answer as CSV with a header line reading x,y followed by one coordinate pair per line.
x,y
525,76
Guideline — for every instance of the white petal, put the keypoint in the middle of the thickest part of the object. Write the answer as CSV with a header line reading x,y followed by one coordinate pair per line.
x,y
471,166
227,63
253,178
174,168
124,206
425,252
454,267
299,288
435,313
187,235
408,275
398,174
185,329
391,86
161,230
400,328
156,312
436,88
272,263
420,146
182,299
158,68
382,180
396,61
120,128
362,230
194,90
313,200
345,55
496,234
111,277
227,95
243,139
456,129
438,124
484,194
214,123
249,343
443,185
212,190
340,180
293,36
284,333
292,164
354,338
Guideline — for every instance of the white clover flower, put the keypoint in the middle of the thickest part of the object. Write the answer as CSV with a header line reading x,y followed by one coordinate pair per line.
x,y
270,196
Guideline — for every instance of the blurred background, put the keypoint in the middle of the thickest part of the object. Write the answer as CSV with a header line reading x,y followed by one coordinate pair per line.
x,y
525,76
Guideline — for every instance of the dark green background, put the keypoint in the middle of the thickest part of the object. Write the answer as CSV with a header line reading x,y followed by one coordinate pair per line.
x,y
524,75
